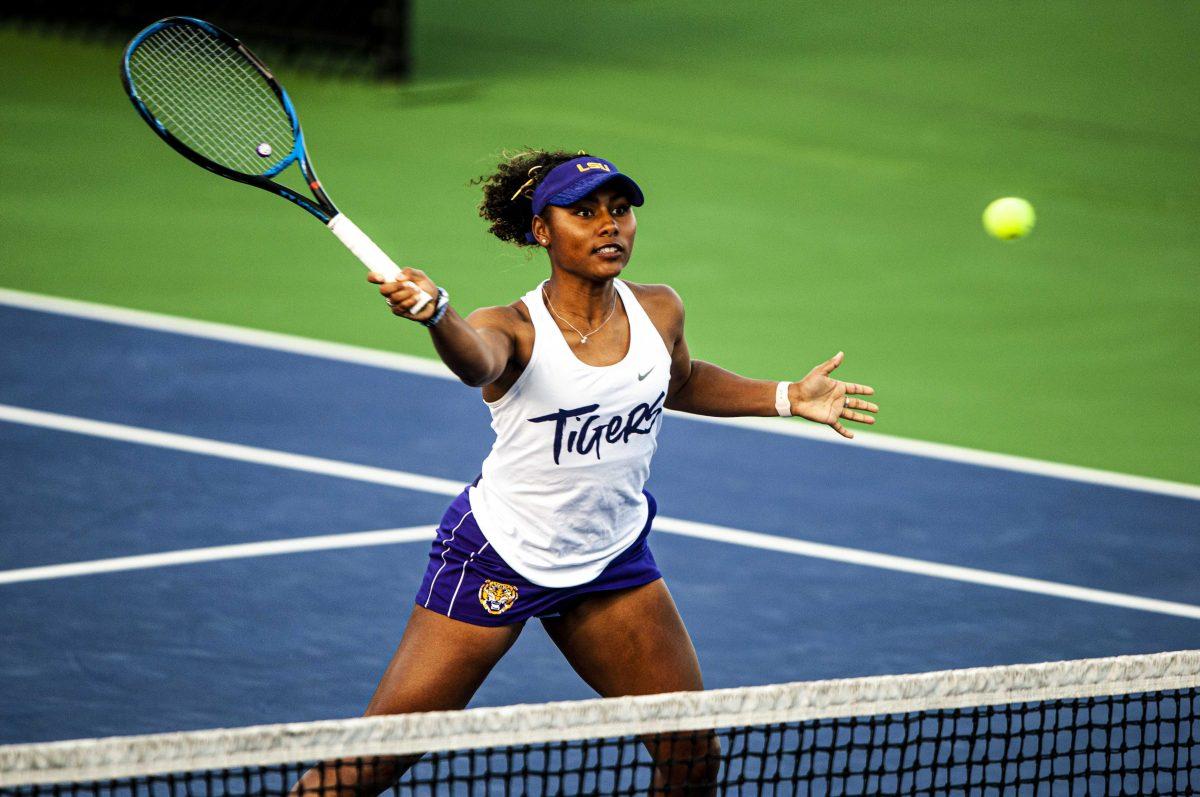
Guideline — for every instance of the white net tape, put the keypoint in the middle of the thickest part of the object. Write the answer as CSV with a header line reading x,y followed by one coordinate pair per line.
x,y
95,759
206,94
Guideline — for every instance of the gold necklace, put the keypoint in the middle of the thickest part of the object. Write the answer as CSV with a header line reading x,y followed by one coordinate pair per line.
x,y
583,337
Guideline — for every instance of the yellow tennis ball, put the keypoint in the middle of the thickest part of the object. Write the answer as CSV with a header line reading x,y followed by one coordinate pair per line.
x,y
1008,218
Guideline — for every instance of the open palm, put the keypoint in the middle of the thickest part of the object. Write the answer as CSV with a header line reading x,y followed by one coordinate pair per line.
x,y
821,398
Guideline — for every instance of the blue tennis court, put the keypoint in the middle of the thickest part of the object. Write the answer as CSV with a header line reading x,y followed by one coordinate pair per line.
x,y
119,441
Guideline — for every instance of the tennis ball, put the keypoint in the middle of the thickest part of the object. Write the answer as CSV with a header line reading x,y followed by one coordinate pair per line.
x,y
263,150
1008,218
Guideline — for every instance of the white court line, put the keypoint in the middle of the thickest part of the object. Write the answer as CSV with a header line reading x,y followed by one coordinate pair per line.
x,y
750,539
240,453
425,367
228,333
325,542
921,567
966,456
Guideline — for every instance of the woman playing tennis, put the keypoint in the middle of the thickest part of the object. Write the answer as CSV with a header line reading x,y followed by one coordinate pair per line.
x,y
576,373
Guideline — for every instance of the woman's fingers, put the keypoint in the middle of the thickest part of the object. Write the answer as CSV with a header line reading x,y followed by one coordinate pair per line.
x,y
859,404
861,390
850,415
849,405
403,297
829,365
384,279
843,393
396,290
404,275
401,291
401,283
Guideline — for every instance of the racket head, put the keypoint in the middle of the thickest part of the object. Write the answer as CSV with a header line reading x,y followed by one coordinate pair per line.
x,y
217,104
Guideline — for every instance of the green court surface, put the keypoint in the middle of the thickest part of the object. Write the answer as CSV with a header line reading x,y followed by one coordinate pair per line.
x,y
815,175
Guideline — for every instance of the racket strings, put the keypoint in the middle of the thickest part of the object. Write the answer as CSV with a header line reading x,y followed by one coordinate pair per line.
x,y
207,91
207,95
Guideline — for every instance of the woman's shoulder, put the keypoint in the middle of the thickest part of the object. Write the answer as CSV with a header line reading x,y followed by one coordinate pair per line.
x,y
664,308
511,318
661,298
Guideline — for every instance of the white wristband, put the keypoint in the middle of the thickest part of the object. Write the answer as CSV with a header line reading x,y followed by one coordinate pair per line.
x,y
783,406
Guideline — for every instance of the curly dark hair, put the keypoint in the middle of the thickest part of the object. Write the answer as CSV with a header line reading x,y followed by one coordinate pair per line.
x,y
508,193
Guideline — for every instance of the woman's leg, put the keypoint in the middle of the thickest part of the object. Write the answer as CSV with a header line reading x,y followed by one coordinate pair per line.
x,y
438,666
633,642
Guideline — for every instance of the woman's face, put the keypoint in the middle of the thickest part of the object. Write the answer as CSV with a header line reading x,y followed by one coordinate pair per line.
x,y
593,237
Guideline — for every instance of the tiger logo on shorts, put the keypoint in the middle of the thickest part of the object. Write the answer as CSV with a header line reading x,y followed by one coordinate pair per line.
x,y
497,598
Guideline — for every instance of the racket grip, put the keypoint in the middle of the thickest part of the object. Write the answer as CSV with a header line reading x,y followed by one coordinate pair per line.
x,y
372,256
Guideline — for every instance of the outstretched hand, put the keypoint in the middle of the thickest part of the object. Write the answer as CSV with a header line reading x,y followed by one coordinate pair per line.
x,y
820,398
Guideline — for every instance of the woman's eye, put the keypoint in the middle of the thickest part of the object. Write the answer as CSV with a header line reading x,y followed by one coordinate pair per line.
x,y
583,212
621,211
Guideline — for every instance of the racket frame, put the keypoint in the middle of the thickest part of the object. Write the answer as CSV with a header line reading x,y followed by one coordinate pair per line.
x,y
323,208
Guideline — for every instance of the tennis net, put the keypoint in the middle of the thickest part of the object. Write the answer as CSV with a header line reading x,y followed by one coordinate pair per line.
x,y
1121,725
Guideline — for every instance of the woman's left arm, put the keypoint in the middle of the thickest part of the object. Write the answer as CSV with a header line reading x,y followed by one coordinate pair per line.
x,y
705,389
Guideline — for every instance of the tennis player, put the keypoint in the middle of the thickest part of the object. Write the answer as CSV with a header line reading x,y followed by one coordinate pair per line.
x,y
576,373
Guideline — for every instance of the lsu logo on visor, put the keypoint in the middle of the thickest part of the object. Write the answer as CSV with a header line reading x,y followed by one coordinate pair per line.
x,y
591,166
497,598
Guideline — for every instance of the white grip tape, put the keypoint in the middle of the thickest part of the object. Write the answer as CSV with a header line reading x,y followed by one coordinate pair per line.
x,y
372,256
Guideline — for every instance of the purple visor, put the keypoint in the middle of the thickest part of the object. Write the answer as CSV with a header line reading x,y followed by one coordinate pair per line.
x,y
569,182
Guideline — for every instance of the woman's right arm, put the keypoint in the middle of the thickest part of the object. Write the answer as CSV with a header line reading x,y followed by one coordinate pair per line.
x,y
477,348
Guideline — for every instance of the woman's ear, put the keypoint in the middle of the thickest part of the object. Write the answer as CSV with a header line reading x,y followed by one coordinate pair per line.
x,y
541,231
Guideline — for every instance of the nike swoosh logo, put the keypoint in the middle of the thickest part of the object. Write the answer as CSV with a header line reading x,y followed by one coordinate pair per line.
x,y
643,376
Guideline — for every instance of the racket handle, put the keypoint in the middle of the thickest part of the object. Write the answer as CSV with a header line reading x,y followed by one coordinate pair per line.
x,y
373,257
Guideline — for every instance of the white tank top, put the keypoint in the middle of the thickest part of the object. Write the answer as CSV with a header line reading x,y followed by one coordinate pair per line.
x,y
561,492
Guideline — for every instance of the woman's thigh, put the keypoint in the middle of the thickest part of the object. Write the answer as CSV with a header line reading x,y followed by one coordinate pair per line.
x,y
439,663
628,642
633,642
438,666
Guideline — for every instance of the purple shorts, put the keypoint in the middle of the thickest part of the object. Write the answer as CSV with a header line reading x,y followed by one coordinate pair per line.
x,y
467,580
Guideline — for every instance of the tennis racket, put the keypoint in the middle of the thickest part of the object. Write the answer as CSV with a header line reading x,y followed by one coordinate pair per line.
x,y
219,106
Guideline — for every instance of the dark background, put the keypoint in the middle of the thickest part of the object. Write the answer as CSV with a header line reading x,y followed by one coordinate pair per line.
x,y
348,38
